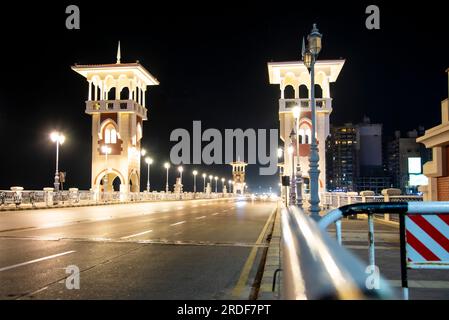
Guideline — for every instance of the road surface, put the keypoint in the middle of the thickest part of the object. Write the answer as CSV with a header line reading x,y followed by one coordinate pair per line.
x,y
201,249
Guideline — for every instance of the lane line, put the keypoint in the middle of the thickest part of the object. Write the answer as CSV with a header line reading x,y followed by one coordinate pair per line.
x,y
202,217
35,260
244,275
177,223
136,234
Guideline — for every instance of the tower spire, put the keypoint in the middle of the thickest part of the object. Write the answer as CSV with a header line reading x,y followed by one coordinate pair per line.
x,y
119,55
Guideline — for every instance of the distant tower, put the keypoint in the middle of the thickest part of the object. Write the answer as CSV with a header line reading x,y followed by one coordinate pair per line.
x,y
293,79
238,175
116,102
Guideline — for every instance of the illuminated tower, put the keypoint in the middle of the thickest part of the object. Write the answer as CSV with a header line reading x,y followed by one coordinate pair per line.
x,y
116,102
238,176
293,79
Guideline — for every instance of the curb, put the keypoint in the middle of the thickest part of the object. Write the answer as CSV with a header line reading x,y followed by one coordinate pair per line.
x,y
272,263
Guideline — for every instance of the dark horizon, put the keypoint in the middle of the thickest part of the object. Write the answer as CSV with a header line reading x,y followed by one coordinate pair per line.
x,y
208,62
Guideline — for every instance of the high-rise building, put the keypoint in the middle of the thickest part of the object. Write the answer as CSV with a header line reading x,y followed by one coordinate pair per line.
x,y
369,142
342,161
354,158
401,151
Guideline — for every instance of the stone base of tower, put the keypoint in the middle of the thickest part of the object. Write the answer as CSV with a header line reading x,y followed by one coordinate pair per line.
x,y
239,188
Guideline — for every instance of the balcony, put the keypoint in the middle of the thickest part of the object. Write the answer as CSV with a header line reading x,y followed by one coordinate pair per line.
x,y
106,106
322,105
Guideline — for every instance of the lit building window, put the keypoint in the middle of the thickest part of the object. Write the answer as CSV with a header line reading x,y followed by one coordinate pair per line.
x,y
110,134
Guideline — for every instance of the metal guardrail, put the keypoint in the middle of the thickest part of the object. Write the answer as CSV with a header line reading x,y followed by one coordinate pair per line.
x,y
402,209
314,266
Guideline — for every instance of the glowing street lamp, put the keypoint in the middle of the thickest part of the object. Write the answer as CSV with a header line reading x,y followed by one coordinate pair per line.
x,y
210,181
222,184
149,162
194,180
230,185
59,139
216,179
143,152
181,170
166,166
204,182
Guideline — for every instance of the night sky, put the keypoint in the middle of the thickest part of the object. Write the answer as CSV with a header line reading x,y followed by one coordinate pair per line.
x,y
211,63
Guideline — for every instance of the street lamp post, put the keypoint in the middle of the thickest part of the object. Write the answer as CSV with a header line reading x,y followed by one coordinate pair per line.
x,y
210,182
194,180
296,114
59,139
149,162
230,185
204,182
222,184
309,56
216,179
166,166
181,170
292,176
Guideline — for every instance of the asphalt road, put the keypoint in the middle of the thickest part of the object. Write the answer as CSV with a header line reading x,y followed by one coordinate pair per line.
x,y
202,249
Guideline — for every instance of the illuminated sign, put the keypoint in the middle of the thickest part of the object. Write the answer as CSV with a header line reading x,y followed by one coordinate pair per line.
x,y
414,165
418,180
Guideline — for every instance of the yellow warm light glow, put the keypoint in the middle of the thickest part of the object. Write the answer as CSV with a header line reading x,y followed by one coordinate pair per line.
x,y
106,149
57,137
296,112
148,160
166,165
204,175
195,172
180,169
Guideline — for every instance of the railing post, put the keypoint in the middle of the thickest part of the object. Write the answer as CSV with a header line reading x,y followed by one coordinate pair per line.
x,y
17,196
48,196
387,193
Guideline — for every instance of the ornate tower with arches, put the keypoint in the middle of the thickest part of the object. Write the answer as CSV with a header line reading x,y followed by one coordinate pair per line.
x,y
293,79
116,102
238,176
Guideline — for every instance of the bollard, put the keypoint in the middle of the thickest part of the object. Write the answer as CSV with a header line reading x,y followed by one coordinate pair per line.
x,y
17,196
48,196
74,195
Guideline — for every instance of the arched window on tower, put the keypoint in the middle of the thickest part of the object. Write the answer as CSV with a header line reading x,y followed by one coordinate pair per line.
x,y
301,134
303,92
289,92
110,134
308,136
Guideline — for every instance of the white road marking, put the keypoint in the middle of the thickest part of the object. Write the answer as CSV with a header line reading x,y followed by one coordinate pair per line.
x,y
35,260
177,223
137,234
214,214
202,217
